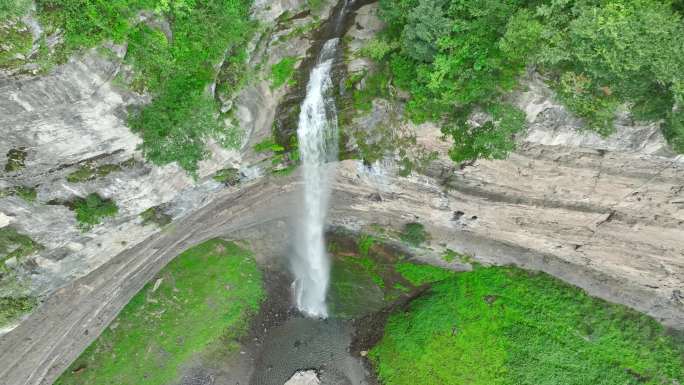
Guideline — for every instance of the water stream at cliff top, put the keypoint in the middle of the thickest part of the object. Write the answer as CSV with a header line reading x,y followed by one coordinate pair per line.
x,y
317,134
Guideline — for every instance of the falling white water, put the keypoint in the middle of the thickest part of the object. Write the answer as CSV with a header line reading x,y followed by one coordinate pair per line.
x,y
317,134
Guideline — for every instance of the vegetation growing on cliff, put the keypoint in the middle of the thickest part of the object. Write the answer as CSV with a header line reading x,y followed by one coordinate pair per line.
x,y
92,210
12,308
14,244
456,57
503,325
176,69
283,71
199,303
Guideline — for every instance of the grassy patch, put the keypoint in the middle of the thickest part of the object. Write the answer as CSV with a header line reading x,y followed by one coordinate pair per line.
x,y
283,71
413,234
421,274
11,309
92,209
204,301
508,326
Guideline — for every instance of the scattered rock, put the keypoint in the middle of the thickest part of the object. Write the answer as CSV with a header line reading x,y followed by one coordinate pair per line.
x,y
156,284
304,377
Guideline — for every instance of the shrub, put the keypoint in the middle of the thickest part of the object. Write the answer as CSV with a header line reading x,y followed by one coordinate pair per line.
x,y
365,244
283,71
92,209
414,234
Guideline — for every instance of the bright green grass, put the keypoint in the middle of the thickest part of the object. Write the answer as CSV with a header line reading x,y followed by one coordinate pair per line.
x,y
507,326
205,300
420,274
283,71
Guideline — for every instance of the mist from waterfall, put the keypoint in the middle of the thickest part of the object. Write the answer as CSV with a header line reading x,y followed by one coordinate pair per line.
x,y
317,134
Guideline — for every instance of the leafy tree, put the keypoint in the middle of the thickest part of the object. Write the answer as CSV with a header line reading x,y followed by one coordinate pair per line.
x,y
460,55
426,24
493,139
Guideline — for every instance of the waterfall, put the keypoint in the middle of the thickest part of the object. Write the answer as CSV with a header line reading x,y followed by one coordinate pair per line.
x,y
317,134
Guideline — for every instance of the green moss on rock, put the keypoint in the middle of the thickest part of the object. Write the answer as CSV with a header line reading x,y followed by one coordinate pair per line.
x,y
156,215
89,172
16,159
15,245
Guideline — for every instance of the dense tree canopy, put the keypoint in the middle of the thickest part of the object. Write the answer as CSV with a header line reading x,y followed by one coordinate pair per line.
x,y
458,55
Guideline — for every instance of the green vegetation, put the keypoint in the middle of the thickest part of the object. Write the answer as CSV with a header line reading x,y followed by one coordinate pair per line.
x,y
366,242
314,5
16,39
16,159
15,245
413,234
268,144
89,172
92,209
29,194
450,256
283,160
356,287
176,72
228,176
200,303
155,215
456,57
283,71
13,8
422,274
12,308
508,326
375,86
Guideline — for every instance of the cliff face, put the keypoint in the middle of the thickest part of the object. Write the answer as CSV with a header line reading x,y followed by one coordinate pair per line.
x,y
606,214
74,119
